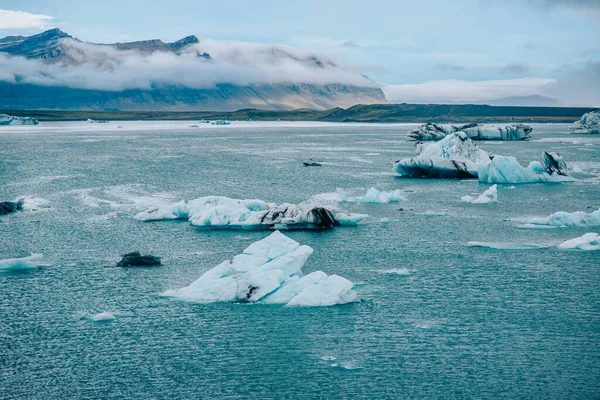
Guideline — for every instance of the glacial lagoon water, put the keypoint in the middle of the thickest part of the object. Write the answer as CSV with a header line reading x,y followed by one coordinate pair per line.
x,y
437,318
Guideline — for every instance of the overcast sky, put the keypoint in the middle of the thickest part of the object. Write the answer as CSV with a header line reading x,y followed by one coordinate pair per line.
x,y
429,50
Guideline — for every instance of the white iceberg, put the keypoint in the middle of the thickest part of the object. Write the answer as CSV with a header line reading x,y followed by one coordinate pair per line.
x,y
435,132
21,264
268,272
225,213
504,169
565,219
489,196
589,241
372,196
10,120
589,123
455,156
103,317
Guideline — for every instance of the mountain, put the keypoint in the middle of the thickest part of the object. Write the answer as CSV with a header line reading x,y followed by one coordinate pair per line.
x,y
53,70
526,101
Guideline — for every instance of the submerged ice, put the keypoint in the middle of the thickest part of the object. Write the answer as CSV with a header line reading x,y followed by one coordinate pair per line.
x,y
269,272
223,212
503,169
563,219
589,123
435,132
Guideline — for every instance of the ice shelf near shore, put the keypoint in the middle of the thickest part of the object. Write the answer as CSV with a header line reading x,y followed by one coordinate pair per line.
x,y
435,132
503,169
225,213
455,156
10,120
589,123
269,272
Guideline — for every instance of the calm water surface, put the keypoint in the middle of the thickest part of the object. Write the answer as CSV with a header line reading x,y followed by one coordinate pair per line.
x,y
467,323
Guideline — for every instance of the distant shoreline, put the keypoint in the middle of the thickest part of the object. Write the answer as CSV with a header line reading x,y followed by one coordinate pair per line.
x,y
377,113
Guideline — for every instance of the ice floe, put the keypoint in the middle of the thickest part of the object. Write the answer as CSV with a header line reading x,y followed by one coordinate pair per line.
x,y
223,212
506,169
455,156
397,271
506,246
489,196
589,241
22,264
435,132
270,272
372,196
562,219
103,317
589,123
10,120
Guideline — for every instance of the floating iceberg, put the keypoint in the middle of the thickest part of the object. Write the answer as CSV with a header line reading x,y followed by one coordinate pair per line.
x,y
221,122
565,219
372,196
455,156
225,213
96,121
9,207
103,317
589,241
589,123
21,264
489,196
508,170
435,132
10,120
268,272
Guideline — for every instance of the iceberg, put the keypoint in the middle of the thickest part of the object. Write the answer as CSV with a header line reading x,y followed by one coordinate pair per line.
x,y
589,123
455,156
9,207
10,120
372,196
103,317
565,219
489,196
96,121
225,213
503,169
268,272
435,132
21,264
221,122
589,241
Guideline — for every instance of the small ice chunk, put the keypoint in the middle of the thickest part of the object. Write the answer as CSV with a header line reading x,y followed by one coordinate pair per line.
x,y
372,196
565,219
589,241
103,317
506,246
21,264
489,196
397,271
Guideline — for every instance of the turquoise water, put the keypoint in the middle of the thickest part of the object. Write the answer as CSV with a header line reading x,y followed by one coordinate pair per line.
x,y
466,323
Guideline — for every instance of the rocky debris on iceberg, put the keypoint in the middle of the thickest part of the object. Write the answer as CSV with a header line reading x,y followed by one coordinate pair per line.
x,y
135,259
589,123
268,272
10,120
225,213
21,264
372,196
221,122
503,169
455,156
489,196
435,132
96,121
589,241
562,219
8,207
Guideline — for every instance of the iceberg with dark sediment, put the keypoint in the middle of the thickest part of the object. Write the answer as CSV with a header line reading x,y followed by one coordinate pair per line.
x,y
21,264
10,120
589,241
562,219
455,156
435,132
589,123
268,272
506,169
225,213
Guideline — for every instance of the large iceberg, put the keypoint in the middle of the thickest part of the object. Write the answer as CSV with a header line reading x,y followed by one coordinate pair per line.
x,y
455,156
589,241
589,123
10,120
21,264
435,132
225,213
503,169
372,196
269,272
489,196
565,219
